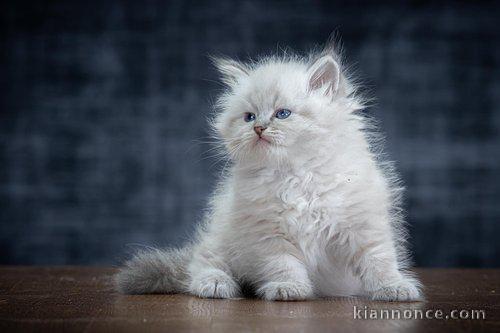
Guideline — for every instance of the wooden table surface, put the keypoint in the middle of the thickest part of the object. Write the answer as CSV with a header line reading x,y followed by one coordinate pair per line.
x,y
82,299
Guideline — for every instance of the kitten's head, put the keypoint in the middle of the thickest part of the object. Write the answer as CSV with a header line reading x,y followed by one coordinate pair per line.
x,y
281,108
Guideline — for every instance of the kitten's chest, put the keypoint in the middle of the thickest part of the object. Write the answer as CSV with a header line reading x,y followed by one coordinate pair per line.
x,y
303,210
299,204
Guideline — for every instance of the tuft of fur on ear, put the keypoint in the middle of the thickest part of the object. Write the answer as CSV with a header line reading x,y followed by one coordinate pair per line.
x,y
232,71
324,73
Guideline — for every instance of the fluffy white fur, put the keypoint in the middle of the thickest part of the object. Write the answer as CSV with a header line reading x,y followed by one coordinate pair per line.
x,y
310,211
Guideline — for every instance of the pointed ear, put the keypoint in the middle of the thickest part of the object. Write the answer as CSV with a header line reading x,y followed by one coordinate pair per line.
x,y
232,71
324,73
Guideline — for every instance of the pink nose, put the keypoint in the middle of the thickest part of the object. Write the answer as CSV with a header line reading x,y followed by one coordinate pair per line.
x,y
259,130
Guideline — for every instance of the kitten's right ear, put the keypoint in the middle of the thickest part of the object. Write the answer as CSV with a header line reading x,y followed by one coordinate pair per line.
x,y
232,71
324,73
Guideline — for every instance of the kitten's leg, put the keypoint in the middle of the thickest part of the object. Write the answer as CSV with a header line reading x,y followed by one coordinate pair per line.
x,y
281,276
375,261
210,276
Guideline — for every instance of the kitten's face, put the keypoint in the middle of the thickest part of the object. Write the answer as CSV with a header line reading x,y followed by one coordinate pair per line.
x,y
276,110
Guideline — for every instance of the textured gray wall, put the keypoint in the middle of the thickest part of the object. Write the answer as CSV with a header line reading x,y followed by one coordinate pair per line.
x,y
103,105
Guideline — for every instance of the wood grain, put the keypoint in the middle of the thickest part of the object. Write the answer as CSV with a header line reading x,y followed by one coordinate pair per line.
x,y
80,299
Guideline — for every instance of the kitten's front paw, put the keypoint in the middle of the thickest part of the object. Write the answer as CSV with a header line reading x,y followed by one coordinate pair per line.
x,y
214,284
404,290
285,291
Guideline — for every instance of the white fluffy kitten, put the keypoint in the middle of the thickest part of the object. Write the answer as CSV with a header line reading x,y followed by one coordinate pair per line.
x,y
305,210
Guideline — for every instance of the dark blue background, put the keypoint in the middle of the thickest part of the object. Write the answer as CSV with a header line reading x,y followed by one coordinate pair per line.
x,y
103,105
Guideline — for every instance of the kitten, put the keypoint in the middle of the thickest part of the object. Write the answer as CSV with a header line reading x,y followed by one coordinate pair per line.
x,y
306,208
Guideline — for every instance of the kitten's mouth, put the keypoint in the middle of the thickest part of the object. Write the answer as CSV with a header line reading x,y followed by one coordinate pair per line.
x,y
262,139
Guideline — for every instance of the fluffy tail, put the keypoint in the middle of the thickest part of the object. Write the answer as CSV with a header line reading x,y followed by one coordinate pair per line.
x,y
155,271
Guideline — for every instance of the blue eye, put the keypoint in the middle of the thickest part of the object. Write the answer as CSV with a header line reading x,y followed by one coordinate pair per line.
x,y
283,113
249,116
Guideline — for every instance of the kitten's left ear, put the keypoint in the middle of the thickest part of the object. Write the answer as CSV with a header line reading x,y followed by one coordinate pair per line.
x,y
324,73
232,71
